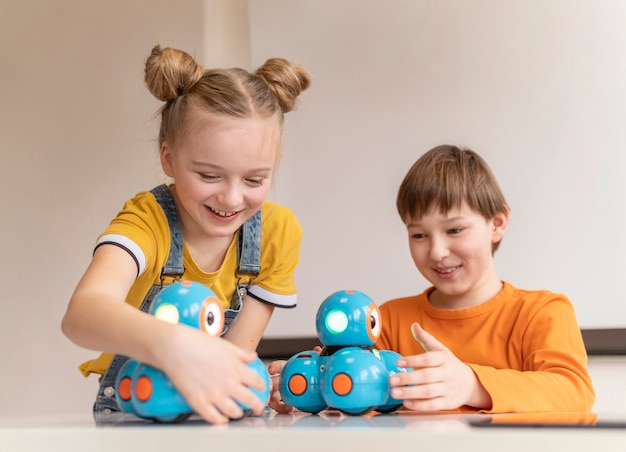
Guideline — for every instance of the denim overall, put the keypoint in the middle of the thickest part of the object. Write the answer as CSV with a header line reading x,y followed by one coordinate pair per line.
x,y
248,257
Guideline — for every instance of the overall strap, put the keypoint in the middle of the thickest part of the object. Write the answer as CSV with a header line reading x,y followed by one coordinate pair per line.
x,y
173,268
248,239
248,264
106,403
249,246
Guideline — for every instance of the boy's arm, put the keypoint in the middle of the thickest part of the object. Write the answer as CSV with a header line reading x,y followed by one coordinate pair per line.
x,y
554,375
438,380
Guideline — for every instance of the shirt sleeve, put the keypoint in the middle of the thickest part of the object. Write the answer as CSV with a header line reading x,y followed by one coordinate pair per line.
x,y
554,375
281,236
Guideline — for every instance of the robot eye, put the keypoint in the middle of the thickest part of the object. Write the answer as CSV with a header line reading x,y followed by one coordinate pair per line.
x,y
167,312
374,326
336,321
212,316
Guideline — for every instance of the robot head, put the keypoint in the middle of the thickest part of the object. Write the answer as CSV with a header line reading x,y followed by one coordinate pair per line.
x,y
348,317
190,303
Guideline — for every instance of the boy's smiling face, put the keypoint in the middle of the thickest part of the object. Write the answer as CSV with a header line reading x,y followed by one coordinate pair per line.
x,y
453,251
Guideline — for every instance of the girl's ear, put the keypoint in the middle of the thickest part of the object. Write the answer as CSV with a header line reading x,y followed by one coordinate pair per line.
x,y
166,160
499,224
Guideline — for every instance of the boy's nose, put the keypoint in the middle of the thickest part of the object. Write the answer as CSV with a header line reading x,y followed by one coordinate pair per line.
x,y
438,249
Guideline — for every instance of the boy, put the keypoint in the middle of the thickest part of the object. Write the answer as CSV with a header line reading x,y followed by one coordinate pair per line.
x,y
489,346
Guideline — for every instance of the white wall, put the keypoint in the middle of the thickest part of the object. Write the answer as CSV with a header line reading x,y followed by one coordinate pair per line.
x,y
537,86
608,374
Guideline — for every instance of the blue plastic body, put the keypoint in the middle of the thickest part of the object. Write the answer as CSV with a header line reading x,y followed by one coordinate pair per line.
x,y
146,391
299,384
354,381
348,317
390,359
349,374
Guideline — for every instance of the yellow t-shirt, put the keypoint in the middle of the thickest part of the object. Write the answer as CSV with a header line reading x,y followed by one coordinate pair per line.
x,y
141,228
524,346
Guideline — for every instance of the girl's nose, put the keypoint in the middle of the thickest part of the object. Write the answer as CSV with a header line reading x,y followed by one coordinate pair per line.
x,y
231,196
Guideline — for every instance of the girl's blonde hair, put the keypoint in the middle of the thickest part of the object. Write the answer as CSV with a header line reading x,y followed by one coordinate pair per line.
x,y
174,77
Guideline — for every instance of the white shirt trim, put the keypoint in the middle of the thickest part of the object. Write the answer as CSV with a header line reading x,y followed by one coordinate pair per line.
x,y
282,301
124,242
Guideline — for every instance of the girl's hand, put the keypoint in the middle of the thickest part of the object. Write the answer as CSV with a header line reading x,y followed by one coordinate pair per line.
x,y
276,401
211,374
440,380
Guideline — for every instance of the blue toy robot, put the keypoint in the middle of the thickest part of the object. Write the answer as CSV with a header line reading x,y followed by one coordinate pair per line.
x,y
349,374
299,383
146,391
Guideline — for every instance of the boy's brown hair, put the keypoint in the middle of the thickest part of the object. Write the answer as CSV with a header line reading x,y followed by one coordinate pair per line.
x,y
446,177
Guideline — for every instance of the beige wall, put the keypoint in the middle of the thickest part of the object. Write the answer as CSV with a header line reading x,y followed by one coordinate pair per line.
x,y
538,87
77,139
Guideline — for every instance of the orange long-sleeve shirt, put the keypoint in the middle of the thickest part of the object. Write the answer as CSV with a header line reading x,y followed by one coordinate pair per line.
x,y
524,346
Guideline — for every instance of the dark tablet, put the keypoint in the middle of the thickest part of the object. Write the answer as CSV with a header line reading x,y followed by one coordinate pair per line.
x,y
548,420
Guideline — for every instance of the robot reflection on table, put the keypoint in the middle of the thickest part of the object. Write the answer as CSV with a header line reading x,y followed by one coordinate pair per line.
x,y
146,391
349,374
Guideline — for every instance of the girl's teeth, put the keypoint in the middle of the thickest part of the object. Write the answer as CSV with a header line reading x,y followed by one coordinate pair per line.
x,y
221,213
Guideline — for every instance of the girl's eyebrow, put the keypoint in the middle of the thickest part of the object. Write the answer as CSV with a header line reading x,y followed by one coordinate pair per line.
x,y
205,164
263,169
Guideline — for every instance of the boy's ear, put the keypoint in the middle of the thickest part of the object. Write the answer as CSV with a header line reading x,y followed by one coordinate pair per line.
x,y
499,223
166,159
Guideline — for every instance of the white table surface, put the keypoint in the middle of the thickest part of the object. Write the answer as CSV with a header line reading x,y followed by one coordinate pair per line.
x,y
328,431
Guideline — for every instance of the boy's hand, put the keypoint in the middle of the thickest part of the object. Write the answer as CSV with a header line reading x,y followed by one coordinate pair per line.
x,y
276,401
440,380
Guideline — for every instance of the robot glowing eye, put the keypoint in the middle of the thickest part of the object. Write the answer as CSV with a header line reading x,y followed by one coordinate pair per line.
x,y
168,313
373,329
336,321
212,316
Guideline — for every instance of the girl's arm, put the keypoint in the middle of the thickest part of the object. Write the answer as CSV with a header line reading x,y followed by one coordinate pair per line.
x,y
247,329
208,371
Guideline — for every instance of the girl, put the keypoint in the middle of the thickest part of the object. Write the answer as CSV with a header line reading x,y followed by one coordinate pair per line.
x,y
219,141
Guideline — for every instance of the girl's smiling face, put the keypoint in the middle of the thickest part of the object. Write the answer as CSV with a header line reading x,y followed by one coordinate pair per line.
x,y
223,168
453,251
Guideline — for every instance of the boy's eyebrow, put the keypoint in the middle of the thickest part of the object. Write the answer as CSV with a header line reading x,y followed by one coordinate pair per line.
x,y
447,220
